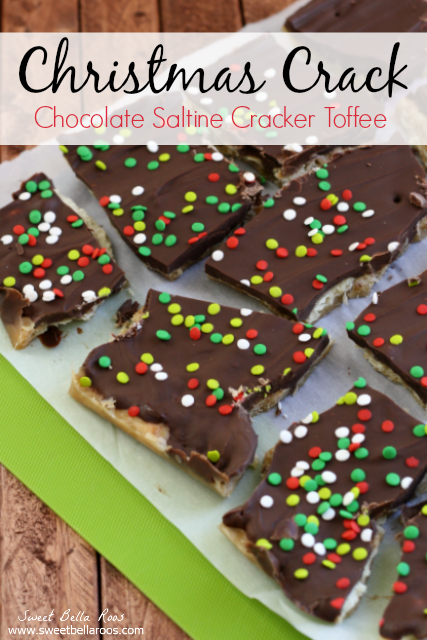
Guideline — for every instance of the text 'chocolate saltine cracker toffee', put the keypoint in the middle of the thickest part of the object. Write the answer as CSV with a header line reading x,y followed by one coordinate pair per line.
x,y
310,524
171,204
406,614
55,262
330,235
393,333
185,377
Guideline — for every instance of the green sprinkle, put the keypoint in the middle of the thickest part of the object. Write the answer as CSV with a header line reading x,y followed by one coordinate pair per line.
x,y
183,148
301,519
322,174
31,186
420,430
224,207
358,475
25,267
286,544
403,569
364,330
324,186
350,326
360,383
164,298
153,165
78,276
269,203
157,239
359,206
144,251
212,200
163,335
233,168
35,216
417,372
197,227
104,362
393,479
411,533
389,453
274,479
260,349
361,453
216,338
170,240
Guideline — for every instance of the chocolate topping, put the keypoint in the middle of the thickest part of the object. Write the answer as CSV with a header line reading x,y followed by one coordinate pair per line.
x,y
190,365
395,331
170,204
49,260
349,219
360,15
310,522
126,312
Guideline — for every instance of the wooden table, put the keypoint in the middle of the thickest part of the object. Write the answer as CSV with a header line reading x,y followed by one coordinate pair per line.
x,y
44,564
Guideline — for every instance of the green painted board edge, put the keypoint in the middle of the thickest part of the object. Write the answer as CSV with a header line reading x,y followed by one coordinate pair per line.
x,y
46,454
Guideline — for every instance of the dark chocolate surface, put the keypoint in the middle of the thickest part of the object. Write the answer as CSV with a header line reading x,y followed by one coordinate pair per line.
x,y
317,244
170,224
360,15
32,251
406,614
382,461
395,331
215,340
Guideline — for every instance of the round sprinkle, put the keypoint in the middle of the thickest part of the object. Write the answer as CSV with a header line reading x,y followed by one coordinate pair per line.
x,y
286,544
392,479
389,453
266,502
396,339
417,371
122,377
85,382
164,298
411,532
360,553
301,574
163,335
274,479
187,400
104,362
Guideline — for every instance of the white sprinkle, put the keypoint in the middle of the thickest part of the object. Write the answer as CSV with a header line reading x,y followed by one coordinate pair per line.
x,y
55,231
304,337
153,147
285,436
375,298
25,195
406,482
50,217
266,502
342,432
245,282
348,498
297,473
313,497
217,157
218,255
115,199
312,233
312,140
7,239
319,548
137,191
299,201
48,296
52,239
309,221
269,73
243,344
118,139
156,367
140,238
302,464
45,284
66,279
368,213
30,293
187,400
300,432
358,438
329,477
297,148
89,296
364,399
353,246
206,101
329,514
248,176
246,312
328,229
308,540
161,376
393,246
290,214
366,535
330,96
342,455
193,91
342,207
261,96
308,419
44,227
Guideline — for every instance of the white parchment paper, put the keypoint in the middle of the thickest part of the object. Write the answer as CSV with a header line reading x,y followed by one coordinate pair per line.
x,y
194,509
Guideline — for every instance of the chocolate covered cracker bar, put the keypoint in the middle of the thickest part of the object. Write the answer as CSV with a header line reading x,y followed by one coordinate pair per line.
x,y
406,614
359,15
329,235
311,522
55,262
185,377
393,333
171,204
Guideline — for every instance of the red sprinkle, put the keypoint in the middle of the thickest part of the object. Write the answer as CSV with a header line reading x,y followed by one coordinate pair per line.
x,y
337,603
336,253
133,412
32,241
370,317
195,333
141,368
309,558
424,381
164,219
281,252
412,462
287,298
299,357
95,254
251,334
240,231
378,342
408,546
102,251
339,220
298,328
369,241
107,269
18,229
349,535
325,204
292,483
211,400
72,218
364,415
193,240
317,284
347,194
314,452
353,446
334,557
311,253
343,583
208,156
213,177
400,587
268,277
387,426
46,264
262,265
358,428
422,309
39,273
193,383
83,262
232,242
128,230
104,201
361,246
58,293
225,410
363,487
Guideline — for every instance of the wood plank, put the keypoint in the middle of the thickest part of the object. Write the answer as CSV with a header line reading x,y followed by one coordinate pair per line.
x,y
120,597
33,15
44,564
125,16
190,15
254,10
